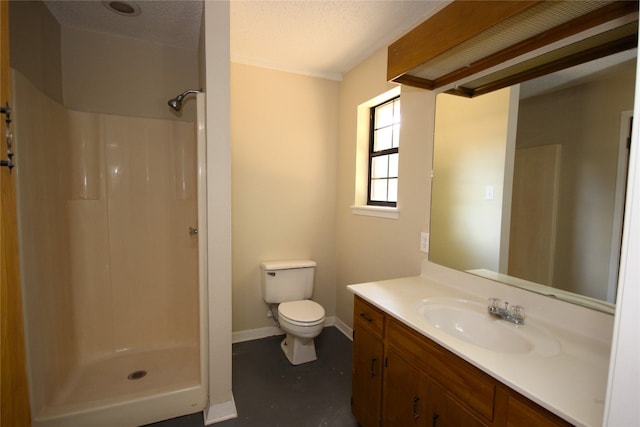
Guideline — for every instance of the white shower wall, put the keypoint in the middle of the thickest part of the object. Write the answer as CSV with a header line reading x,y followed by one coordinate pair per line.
x,y
131,242
108,264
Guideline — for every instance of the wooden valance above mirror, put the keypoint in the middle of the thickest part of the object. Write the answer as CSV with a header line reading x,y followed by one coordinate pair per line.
x,y
469,37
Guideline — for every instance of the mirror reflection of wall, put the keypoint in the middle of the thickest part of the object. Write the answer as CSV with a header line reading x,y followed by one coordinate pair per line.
x,y
529,180
470,155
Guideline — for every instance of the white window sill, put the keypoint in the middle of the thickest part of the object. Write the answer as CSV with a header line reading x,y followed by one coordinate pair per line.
x,y
377,211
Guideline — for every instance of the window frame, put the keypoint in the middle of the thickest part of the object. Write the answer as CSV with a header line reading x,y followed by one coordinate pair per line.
x,y
379,153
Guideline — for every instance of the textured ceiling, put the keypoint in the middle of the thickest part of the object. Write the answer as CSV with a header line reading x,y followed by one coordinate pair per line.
x,y
322,37
317,37
176,23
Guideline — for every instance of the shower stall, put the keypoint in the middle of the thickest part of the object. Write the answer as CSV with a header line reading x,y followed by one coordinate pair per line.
x,y
113,273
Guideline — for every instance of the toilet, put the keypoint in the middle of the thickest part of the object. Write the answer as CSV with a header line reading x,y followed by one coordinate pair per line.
x,y
289,284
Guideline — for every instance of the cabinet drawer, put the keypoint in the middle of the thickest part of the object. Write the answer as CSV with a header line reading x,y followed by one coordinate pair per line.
x,y
523,413
368,316
472,387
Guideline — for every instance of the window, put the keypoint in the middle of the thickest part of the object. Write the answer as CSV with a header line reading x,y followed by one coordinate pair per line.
x,y
384,139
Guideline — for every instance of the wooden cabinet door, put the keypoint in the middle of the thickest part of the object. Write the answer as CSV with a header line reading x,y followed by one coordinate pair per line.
x,y
445,411
523,413
366,391
404,401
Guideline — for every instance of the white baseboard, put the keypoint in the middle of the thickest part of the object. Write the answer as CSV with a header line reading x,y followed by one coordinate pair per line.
x,y
342,327
220,412
255,334
269,331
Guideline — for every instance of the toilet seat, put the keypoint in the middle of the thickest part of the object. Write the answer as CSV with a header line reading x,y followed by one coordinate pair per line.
x,y
301,313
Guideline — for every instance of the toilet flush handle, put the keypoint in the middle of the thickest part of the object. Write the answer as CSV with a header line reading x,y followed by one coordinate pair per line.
x,y
271,273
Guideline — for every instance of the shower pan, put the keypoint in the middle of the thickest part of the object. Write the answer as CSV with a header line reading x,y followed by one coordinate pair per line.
x,y
114,282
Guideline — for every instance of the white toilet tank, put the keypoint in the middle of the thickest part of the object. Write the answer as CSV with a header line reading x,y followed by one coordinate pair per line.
x,y
284,281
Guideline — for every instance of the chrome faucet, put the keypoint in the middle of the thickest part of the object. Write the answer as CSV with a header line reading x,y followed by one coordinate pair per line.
x,y
513,314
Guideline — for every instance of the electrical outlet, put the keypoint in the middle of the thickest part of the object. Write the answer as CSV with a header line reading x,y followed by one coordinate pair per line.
x,y
424,242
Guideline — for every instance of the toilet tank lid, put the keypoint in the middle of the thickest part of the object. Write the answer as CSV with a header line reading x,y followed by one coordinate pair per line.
x,y
285,265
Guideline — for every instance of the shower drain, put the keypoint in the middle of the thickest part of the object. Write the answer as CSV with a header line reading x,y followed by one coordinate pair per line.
x,y
136,375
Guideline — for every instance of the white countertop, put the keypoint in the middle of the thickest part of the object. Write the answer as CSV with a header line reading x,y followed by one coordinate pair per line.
x,y
571,382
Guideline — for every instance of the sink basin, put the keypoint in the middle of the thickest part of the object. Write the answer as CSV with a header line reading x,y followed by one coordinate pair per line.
x,y
468,321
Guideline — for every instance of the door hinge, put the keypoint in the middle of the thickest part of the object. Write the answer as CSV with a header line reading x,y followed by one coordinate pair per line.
x,y
6,110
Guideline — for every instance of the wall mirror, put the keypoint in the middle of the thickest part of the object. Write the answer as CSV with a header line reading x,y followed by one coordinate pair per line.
x,y
529,181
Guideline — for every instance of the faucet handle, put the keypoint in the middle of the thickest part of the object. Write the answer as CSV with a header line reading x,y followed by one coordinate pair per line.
x,y
494,302
518,312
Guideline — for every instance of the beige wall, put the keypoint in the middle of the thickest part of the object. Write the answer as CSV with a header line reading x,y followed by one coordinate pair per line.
x,y
589,133
36,42
103,73
284,155
470,153
371,248
294,174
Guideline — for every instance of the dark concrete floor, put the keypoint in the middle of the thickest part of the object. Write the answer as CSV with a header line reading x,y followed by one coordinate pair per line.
x,y
270,392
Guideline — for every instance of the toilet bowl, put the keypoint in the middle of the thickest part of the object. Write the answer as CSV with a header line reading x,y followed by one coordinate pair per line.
x,y
289,284
302,321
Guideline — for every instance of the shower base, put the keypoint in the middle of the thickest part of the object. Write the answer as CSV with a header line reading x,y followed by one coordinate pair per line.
x,y
129,389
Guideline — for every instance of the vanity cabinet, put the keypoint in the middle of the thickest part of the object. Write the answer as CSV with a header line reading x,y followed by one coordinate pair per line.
x,y
402,378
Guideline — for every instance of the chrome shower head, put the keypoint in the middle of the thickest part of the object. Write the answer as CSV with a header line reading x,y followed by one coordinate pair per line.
x,y
176,103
